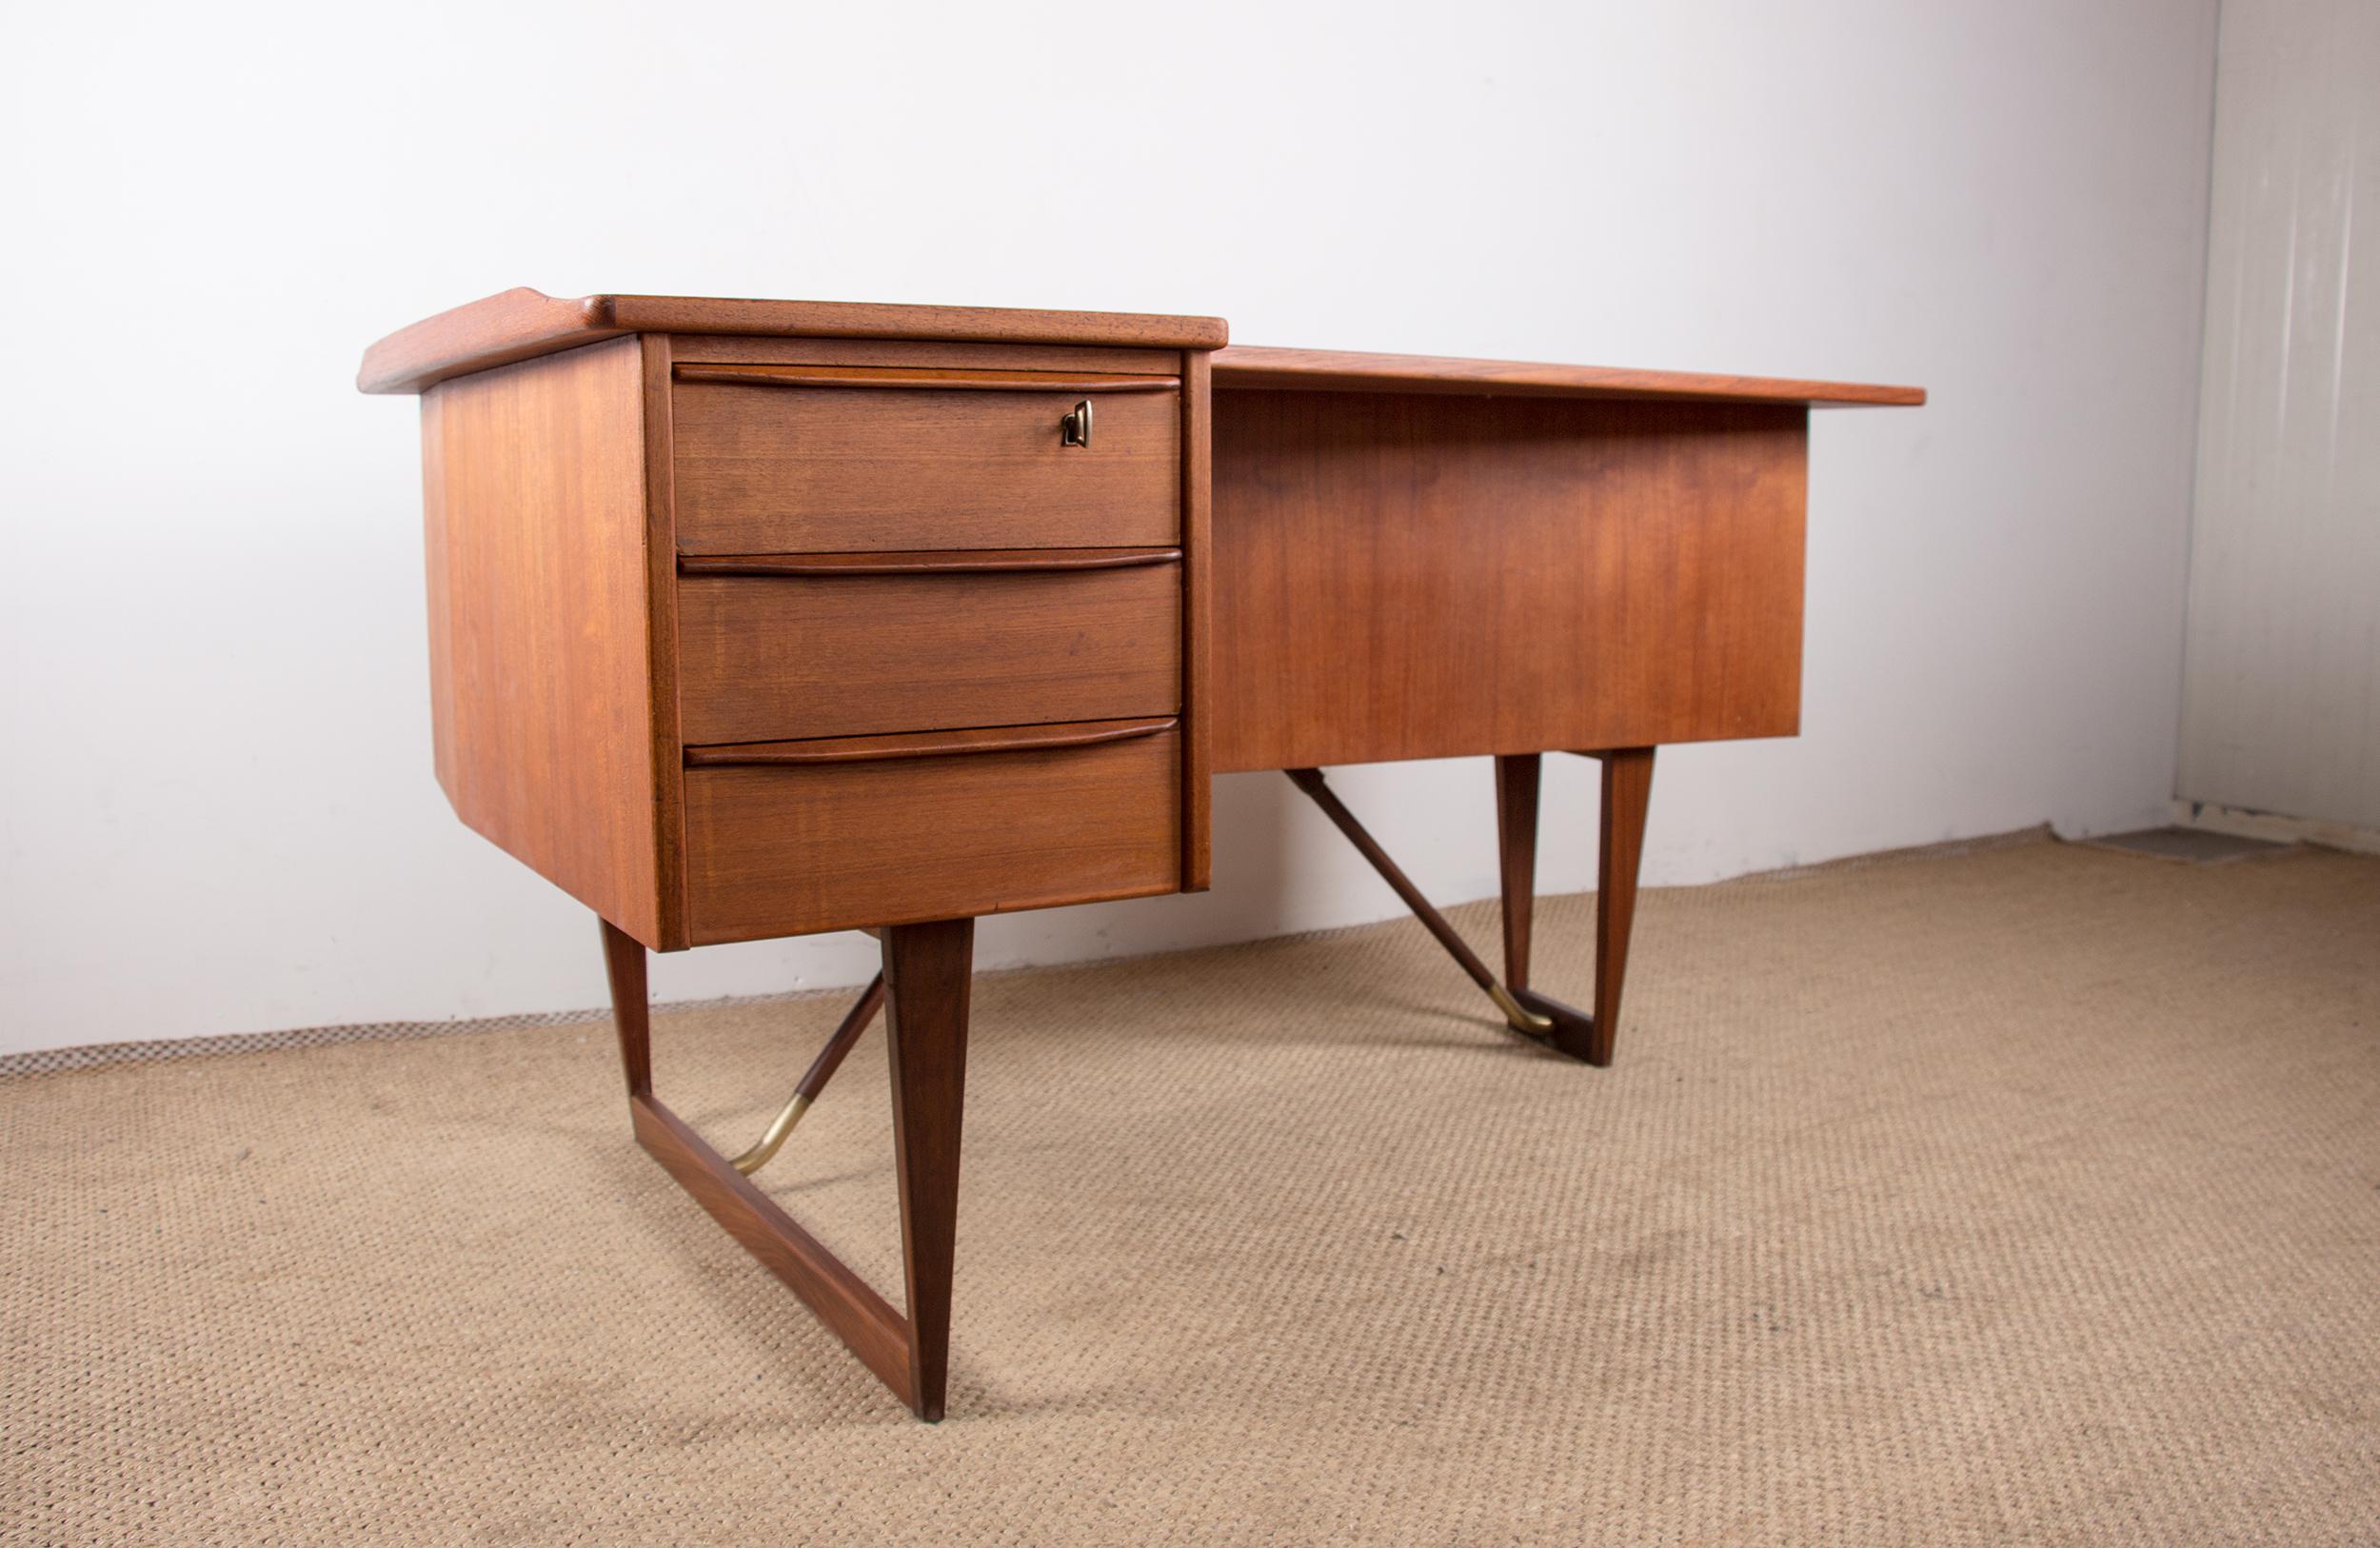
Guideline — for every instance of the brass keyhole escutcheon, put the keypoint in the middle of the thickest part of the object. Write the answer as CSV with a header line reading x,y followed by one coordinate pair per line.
x,y
1075,429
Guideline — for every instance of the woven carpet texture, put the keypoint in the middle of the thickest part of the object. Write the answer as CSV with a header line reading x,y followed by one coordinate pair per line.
x,y
2029,1193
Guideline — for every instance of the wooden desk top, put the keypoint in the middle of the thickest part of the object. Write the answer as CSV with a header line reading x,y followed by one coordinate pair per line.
x,y
1329,371
522,323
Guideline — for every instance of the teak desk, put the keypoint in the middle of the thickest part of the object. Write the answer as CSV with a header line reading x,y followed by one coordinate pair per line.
x,y
765,618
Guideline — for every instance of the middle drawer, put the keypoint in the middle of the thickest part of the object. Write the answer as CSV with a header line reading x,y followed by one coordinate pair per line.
x,y
854,646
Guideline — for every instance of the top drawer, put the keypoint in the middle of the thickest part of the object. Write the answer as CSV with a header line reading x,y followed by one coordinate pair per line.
x,y
809,459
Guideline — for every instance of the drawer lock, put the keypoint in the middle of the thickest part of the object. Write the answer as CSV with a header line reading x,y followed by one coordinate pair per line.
x,y
1075,429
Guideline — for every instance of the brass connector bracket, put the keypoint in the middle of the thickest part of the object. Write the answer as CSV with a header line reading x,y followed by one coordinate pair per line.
x,y
779,1129
821,1070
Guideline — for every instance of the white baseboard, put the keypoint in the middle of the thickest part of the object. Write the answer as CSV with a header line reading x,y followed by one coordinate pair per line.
x,y
2252,825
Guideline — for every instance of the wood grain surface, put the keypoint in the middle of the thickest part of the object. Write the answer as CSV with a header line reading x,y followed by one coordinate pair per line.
x,y
833,847
776,469
660,592
521,322
541,666
769,658
1516,859
847,1305
631,1007
1332,370
1627,799
1416,576
928,972
1197,622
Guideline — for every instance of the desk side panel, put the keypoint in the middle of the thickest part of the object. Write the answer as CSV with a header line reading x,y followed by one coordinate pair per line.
x,y
1197,544
1411,576
541,704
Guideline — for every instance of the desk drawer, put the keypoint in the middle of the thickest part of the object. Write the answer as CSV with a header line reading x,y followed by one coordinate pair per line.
x,y
839,645
890,830
788,459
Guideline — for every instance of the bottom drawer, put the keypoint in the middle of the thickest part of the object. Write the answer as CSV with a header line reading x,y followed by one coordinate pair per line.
x,y
891,831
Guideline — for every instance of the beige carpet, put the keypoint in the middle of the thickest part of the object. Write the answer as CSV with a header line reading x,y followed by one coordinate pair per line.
x,y
2026,1193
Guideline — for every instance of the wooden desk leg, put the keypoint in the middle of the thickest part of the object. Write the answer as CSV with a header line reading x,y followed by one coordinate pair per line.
x,y
1516,850
926,979
927,970
631,1007
1627,797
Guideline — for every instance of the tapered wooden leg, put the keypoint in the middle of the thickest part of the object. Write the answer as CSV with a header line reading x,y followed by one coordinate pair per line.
x,y
1517,848
1627,797
927,973
631,1007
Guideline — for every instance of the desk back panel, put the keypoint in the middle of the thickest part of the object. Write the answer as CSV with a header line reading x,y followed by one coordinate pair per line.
x,y
1422,575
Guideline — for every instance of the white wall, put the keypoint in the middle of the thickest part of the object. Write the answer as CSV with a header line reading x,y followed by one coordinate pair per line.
x,y
218,804
2281,703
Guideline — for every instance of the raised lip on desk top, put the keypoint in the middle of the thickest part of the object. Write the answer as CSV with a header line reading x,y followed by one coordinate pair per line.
x,y
522,323
1325,370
